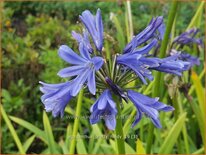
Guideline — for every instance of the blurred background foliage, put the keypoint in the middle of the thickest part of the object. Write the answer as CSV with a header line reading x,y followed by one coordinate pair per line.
x,y
32,33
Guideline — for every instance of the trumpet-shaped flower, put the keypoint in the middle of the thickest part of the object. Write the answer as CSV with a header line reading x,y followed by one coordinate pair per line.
x,y
148,106
172,65
155,29
56,97
83,68
104,108
188,38
94,26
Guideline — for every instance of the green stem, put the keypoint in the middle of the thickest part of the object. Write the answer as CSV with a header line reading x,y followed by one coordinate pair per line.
x,y
119,129
158,82
76,122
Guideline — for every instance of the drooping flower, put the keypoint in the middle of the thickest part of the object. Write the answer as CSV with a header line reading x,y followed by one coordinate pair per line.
x,y
104,108
172,65
83,68
188,38
94,26
138,64
183,56
189,58
155,26
56,97
148,106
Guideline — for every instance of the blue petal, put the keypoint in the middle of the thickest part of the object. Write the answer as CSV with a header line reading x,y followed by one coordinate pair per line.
x,y
98,62
147,48
70,56
156,122
149,106
137,118
94,26
79,81
71,71
56,97
91,83
95,117
110,122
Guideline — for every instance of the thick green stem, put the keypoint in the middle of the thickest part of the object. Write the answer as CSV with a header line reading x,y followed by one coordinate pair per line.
x,y
158,82
119,129
76,122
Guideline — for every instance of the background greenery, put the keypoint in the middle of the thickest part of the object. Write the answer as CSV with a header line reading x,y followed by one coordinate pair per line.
x,y
32,33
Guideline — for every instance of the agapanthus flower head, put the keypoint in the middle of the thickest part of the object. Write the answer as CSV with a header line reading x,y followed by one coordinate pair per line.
x,y
89,68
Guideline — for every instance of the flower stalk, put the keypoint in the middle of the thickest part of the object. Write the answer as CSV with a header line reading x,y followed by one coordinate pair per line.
x,y
157,83
76,122
119,128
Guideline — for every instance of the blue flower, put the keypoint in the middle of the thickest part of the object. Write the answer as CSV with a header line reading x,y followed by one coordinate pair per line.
x,y
83,68
155,29
188,38
148,106
104,108
189,58
94,26
139,62
172,65
56,97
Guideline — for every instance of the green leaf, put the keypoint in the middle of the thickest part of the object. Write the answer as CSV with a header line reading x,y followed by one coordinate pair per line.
x,y
49,134
171,139
63,145
97,145
195,22
12,130
38,132
81,149
129,149
114,146
200,113
200,92
139,147
120,33
68,135
28,142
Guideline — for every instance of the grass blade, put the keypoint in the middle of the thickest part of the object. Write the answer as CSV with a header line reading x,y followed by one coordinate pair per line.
x,y
12,130
49,134
28,142
171,139
201,100
38,132
139,147
81,149
120,33
195,22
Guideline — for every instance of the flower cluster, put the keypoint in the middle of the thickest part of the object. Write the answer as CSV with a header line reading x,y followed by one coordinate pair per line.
x,y
89,69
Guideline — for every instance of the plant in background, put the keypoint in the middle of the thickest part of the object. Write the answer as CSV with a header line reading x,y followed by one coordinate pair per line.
x,y
91,69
